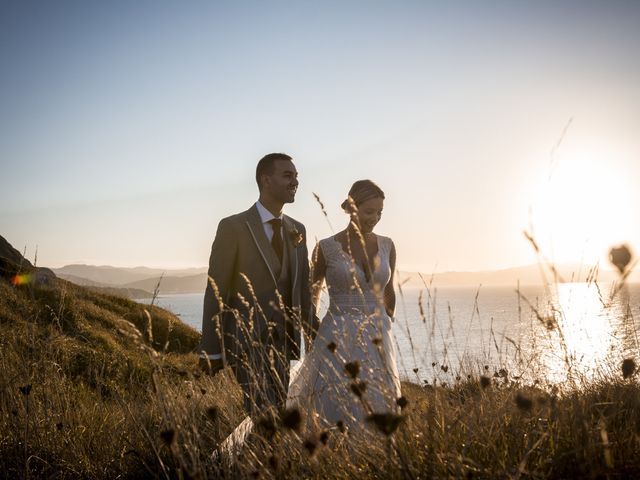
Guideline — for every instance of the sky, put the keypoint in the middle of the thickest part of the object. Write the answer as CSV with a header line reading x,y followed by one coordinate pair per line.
x,y
129,129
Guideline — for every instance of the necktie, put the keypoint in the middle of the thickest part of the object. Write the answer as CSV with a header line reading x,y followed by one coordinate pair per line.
x,y
276,240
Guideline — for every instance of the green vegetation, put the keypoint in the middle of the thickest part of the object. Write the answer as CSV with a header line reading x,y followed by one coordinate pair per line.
x,y
97,386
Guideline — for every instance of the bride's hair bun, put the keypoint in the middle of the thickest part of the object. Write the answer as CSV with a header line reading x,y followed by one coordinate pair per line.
x,y
360,192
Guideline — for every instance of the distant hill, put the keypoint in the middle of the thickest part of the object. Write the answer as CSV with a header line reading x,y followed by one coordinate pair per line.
x,y
194,280
172,284
525,275
105,275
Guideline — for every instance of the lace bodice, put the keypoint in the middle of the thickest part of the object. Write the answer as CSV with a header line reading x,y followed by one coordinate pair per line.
x,y
346,281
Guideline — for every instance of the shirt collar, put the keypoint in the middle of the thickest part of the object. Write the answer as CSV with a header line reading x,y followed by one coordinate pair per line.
x,y
265,215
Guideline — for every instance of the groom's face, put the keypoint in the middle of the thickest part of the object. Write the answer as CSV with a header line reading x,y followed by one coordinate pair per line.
x,y
282,184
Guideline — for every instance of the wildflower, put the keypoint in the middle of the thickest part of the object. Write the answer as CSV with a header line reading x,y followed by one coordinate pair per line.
x,y
523,402
444,368
415,370
485,382
168,437
352,368
628,367
386,423
292,419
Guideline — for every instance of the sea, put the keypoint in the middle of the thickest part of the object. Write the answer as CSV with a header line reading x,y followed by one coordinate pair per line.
x,y
566,333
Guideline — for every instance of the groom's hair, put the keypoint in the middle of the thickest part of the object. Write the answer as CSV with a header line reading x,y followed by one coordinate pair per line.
x,y
266,165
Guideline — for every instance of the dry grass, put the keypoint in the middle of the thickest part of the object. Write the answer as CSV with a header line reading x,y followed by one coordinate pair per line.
x,y
93,387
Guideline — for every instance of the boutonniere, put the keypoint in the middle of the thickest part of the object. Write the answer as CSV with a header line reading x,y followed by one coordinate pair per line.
x,y
296,237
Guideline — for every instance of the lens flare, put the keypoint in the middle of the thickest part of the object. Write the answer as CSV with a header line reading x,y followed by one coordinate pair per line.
x,y
23,279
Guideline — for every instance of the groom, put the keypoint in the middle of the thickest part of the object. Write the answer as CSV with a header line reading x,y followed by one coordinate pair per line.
x,y
257,301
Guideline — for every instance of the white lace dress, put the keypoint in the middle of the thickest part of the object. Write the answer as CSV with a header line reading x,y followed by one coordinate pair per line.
x,y
357,331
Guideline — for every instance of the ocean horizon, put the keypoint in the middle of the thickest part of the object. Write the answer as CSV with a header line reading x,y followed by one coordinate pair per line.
x,y
532,334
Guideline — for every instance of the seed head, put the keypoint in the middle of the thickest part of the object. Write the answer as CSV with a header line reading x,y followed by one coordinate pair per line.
x,y
26,390
341,427
628,367
168,436
292,419
620,257
212,413
332,347
352,369
267,426
310,445
358,388
523,402
402,402
485,382
324,437
386,423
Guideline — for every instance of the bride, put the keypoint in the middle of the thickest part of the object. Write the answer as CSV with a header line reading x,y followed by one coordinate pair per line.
x,y
351,371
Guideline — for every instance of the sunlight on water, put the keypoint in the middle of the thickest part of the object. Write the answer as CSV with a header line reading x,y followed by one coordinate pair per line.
x,y
584,336
595,332
568,332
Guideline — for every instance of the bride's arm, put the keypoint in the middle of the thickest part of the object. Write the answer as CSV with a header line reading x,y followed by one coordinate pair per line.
x,y
318,271
389,292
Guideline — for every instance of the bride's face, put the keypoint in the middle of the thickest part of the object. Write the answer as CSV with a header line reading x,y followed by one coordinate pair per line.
x,y
369,214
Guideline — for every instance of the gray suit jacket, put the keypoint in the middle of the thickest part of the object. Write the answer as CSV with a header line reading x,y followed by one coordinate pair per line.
x,y
241,305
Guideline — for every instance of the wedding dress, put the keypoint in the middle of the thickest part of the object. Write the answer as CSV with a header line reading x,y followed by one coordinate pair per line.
x,y
351,371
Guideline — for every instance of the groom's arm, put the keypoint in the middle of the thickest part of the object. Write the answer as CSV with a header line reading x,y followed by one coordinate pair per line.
x,y
220,275
310,321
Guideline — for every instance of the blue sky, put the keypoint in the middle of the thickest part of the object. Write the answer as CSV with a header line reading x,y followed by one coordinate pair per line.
x,y
128,129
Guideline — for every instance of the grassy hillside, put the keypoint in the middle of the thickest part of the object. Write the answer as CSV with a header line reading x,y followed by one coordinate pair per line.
x,y
94,386
89,381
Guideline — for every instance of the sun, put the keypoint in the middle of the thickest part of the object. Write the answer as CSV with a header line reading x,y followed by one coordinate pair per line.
x,y
584,206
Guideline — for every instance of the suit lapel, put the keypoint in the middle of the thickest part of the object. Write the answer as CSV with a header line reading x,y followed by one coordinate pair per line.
x,y
292,251
254,224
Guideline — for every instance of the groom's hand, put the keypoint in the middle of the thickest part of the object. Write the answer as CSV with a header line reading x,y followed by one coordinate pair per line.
x,y
211,366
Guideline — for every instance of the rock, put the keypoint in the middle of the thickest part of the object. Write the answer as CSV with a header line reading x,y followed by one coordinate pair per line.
x,y
12,264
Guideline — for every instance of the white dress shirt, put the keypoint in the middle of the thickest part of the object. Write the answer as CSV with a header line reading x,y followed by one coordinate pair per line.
x,y
266,216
